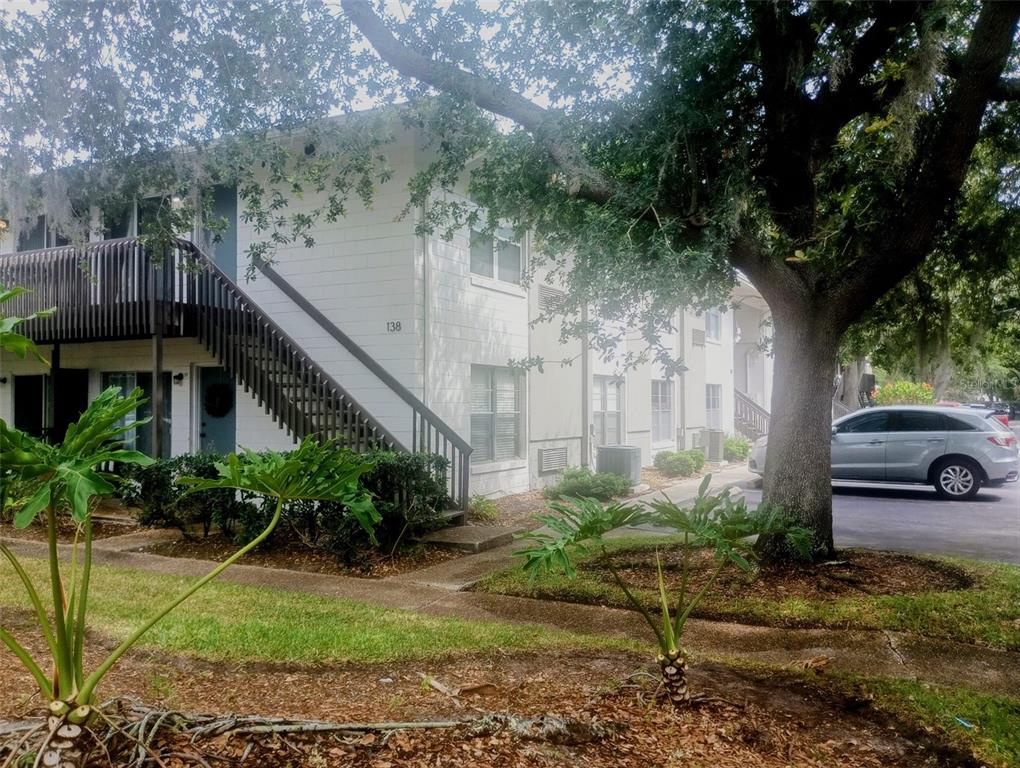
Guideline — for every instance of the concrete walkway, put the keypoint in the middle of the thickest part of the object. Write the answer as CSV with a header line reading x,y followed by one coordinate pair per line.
x,y
438,591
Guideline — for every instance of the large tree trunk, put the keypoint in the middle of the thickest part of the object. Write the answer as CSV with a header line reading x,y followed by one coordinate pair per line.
x,y
797,468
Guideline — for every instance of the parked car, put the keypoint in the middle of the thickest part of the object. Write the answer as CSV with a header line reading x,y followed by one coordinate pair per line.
x,y
957,450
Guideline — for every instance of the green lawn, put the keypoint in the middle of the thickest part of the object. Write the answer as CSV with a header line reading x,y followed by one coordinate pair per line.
x,y
986,614
987,725
234,622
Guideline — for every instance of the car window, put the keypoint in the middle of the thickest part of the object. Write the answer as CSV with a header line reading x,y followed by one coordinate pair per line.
x,y
954,424
872,422
915,421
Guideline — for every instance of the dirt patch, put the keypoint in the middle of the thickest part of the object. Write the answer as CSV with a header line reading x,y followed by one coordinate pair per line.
x,y
765,723
293,554
856,572
66,529
658,481
517,510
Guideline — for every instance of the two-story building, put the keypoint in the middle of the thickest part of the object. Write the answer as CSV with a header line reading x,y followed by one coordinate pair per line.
x,y
375,335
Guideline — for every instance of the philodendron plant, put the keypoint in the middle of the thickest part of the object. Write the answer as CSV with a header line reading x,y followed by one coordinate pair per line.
x,y
577,527
70,478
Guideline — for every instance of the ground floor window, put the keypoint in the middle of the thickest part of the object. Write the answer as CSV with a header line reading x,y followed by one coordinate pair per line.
x,y
713,406
141,438
607,410
496,395
662,411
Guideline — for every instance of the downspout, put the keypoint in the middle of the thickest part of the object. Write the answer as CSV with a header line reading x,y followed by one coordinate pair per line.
x,y
426,315
585,392
681,432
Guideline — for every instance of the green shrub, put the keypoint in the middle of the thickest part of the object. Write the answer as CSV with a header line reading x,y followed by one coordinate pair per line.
x,y
409,492
737,448
697,457
156,489
903,393
481,508
676,463
581,482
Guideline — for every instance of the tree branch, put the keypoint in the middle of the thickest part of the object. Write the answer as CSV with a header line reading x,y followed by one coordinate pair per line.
x,y
1008,89
837,104
583,181
942,167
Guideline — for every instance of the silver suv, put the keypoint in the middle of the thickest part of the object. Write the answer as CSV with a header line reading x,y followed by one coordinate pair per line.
x,y
955,449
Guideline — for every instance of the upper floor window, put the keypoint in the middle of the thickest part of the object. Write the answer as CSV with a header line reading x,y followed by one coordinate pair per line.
x,y
607,410
40,235
495,413
498,256
713,325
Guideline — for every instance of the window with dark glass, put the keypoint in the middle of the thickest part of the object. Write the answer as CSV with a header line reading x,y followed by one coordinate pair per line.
x,y
953,424
872,422
915,421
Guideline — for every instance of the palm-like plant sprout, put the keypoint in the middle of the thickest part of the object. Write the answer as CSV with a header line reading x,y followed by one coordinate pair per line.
x,y
69,476
717,522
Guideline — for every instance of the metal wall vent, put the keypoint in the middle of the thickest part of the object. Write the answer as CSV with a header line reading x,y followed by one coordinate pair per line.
x,y
550,299
552,459
698,337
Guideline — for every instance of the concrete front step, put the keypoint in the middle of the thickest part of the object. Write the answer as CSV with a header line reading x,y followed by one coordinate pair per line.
x,y
470,538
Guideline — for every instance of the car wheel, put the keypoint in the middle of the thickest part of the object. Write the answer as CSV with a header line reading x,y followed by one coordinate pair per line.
x,y
957,479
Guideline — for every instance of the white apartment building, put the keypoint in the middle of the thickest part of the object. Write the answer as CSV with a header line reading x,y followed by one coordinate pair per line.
x,y
373,335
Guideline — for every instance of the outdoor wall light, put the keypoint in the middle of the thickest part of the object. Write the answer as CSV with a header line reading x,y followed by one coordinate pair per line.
x,y
3,379
178,378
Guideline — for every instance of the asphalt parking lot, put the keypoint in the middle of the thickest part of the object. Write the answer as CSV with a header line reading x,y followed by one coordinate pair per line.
x,y
912,518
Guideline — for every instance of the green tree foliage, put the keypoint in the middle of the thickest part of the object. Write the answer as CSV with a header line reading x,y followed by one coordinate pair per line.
x,y
654,149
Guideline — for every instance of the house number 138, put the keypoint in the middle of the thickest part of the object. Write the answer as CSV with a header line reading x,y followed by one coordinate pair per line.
x,y
392,326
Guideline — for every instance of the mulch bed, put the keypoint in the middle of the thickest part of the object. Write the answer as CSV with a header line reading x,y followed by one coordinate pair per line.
x,y
65,530
755,722
293,554
856,572
658,481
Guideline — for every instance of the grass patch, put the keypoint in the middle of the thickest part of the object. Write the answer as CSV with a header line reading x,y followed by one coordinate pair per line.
x,y
986,613
986,725
234,622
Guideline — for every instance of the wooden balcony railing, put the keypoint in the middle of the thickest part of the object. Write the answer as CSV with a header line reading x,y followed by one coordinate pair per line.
x,y
121,289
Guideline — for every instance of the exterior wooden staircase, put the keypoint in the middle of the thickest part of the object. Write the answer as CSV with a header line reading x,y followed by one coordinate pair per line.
x,y
749,419
124,289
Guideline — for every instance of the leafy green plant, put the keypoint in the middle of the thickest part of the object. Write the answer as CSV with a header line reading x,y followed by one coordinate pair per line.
x,y
903,393
697,456
719,522
70,477
158,491
12,341
581,482
736,448
481,508
675,463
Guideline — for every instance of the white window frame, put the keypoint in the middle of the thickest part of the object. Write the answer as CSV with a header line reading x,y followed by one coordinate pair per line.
x,y
713,325
501,235
662,432
599,407
713,406
492,415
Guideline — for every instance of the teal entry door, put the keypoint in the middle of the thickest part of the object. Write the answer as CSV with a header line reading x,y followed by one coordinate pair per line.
x,y
217,412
